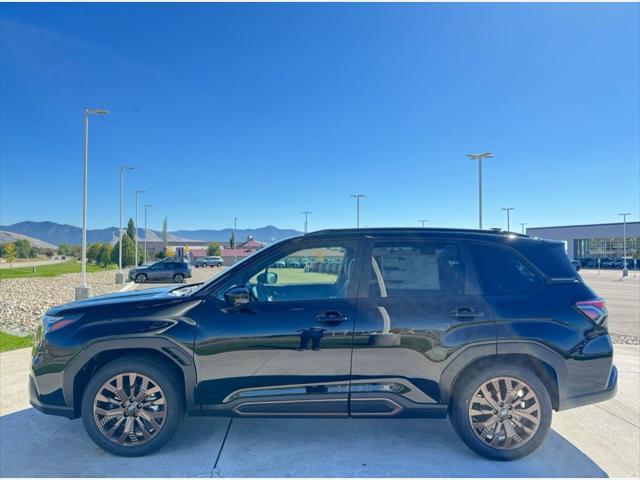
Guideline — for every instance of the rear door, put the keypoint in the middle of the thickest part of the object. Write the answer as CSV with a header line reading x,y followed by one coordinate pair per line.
x,y
419,305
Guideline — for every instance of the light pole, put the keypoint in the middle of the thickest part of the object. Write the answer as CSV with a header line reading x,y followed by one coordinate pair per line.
x,y
423,222
146,207
479,157
119,273
625,271
508,209
83,290
358,196
136,231
522,224
306,214
235,240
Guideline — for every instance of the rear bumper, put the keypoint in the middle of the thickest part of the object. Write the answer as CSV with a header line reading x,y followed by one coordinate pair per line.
x,y
592,397
49,409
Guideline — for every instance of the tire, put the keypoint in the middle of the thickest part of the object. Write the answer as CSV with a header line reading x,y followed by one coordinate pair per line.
x,y
167,409
525,434
178,278
140,278
219,265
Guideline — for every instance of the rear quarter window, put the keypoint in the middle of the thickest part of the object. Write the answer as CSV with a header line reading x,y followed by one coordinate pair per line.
x,y
503,272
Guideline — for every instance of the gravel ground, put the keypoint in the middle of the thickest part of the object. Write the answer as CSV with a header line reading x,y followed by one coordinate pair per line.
x,y
24,300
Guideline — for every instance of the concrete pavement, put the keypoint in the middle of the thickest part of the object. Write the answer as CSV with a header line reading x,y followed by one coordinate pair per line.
x,y
593,441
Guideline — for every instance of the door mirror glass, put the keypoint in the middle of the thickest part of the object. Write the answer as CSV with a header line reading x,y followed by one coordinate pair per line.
x,y
267,278
237,296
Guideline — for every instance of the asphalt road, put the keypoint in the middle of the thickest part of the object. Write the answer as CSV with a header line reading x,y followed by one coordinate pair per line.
x,y
622,296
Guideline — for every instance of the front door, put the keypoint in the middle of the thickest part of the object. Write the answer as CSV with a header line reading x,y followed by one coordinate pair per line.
x,y
419,307
287,351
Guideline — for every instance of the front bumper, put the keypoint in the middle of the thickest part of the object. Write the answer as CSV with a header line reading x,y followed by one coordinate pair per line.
x,y
592,397
49,408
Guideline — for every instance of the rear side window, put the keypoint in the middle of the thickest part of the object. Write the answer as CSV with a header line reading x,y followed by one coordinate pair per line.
x,y
415,269
502,272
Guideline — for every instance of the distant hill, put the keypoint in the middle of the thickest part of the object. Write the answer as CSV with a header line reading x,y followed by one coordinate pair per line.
x,y
8,237
55,233
268,234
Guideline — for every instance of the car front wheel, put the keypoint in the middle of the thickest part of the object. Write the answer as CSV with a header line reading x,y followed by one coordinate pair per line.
x,y
178,278
141,278
502,413
132,406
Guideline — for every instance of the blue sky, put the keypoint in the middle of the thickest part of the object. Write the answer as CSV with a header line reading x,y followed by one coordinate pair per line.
x,y
261,111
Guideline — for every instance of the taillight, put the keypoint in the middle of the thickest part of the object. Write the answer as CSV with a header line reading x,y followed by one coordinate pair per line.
x,y
595,310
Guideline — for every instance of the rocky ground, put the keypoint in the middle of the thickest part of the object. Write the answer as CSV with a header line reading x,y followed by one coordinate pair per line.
x,y
24,300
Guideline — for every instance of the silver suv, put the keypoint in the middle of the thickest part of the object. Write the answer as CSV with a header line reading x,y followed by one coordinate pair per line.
x,y
209,261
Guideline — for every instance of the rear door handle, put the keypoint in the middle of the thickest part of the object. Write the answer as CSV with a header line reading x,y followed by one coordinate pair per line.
x,y
331,318
466,313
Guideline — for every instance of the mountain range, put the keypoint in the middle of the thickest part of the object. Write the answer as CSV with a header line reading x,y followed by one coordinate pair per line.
x,y
56,233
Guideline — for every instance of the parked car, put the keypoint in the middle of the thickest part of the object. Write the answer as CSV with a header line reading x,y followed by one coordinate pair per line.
x,y
279,264
493,329
165,270
209,261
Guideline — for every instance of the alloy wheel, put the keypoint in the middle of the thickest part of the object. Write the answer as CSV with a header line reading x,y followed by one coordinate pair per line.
x,y
130,409
504,413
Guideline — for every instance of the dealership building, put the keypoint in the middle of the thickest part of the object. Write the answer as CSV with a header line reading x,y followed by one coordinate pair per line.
x,y
601,240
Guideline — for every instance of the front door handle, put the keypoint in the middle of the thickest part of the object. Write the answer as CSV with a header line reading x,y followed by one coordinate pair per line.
x,y
465,313
331,318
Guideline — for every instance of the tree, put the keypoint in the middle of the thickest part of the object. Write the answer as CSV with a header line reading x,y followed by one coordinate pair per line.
x,y
23,247
131,230
165,234
213,249
94,252
33,252
104,257
2,245
160,255
10,253
128,252
232,241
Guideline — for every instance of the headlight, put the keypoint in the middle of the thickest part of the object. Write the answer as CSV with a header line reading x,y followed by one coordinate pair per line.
x,y
52,323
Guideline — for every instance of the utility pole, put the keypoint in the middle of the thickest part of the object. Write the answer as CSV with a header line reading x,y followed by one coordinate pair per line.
x,y
306,214
625,271
83,290
136,231
479,157
522,224
119,273
423,222
508,209
358,196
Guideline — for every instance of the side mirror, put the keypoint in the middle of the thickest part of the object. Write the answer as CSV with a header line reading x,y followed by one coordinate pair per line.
x,y
267,278
237,296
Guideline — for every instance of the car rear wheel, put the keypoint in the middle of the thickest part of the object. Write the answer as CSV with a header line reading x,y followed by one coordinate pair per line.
x,y
141,278
132,406
219,265
178,278
502,412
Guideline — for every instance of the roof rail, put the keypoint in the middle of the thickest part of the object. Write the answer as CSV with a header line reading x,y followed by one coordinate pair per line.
x,y
493,231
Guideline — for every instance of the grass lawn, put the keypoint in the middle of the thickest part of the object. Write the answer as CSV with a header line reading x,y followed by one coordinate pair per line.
x,y
289,276
52,270
12,342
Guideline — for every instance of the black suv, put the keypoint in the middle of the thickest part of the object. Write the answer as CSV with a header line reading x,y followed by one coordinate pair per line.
x,y
495,330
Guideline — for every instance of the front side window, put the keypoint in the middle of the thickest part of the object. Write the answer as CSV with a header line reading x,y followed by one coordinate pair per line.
x,y
416,268
502,272
320,273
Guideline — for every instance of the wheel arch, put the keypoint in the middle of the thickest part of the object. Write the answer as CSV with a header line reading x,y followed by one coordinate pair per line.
x,y
84,366
548,365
